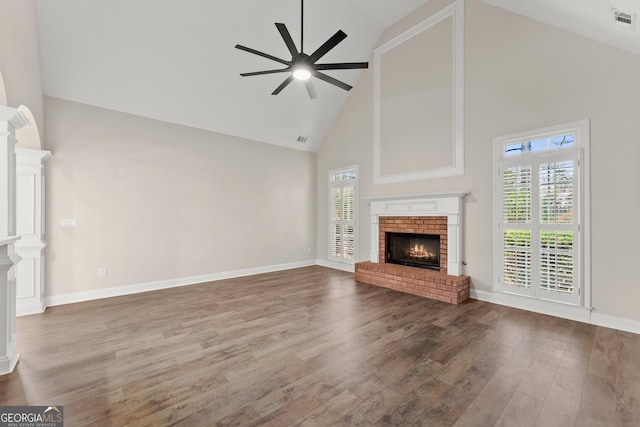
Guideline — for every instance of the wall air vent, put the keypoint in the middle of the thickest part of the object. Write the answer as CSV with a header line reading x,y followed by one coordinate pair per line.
x,y
301,139
627,20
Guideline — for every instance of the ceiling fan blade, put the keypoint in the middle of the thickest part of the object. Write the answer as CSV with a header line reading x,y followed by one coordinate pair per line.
x,y
287,40
258,73
282,85
331,80
311,90
342,66
264,55
328,45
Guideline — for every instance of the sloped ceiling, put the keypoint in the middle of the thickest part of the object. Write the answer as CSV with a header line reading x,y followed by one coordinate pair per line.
x,y
175,61
589,18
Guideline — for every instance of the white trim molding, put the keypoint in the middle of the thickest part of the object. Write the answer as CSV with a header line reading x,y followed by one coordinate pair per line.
x,y
456,11
447,204
3,92
615,322
556,309
12,117
551,308
581,314
171,283
349,268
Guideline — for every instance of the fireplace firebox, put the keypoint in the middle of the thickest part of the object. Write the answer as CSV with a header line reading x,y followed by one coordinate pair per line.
x,y
415,250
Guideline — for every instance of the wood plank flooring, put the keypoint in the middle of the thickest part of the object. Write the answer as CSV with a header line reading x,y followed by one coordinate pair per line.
x,y
313,347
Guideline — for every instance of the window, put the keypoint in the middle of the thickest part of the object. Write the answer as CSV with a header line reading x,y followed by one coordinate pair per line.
x,y
343,197
540,207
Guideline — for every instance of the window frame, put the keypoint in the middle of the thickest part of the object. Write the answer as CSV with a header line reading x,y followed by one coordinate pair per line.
x,y
342,184
577,152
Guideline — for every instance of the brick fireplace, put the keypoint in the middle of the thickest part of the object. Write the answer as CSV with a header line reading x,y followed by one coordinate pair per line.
x,y
414,224
435,213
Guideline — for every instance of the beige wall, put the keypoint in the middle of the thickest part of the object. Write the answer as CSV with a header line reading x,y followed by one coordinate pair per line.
x,y
520,74
156,201
20,60
416,102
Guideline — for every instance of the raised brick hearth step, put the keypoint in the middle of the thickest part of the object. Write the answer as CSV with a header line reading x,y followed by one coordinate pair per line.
x,y
417,281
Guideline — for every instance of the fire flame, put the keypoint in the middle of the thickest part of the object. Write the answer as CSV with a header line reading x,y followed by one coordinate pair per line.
x,y
420,252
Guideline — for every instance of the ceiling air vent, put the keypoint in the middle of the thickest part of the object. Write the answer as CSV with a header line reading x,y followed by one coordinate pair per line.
x,y
624,19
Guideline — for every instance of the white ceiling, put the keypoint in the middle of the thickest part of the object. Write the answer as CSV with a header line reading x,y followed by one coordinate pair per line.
x,y
176,62
589,18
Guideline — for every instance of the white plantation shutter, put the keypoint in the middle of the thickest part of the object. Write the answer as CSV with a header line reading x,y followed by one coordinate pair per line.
x,y
538,210
335,224
556,192
348,242
558,229
335,195
342,215
556,261
335,240
516,195
516,259
516,216
348,223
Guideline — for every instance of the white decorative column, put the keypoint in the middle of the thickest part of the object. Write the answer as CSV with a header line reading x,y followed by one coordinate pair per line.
x,y
30,227
8,352
10,120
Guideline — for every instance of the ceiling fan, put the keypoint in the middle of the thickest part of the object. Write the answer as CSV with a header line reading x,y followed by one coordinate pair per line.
x,y
303,66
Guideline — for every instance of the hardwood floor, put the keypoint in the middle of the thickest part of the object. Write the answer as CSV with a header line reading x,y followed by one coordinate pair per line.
x,y
313,347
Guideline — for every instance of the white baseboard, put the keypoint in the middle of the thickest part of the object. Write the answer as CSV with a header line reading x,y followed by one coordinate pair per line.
x,y
580,314
27,309
171,283
615,322
350,268
565,311
8,364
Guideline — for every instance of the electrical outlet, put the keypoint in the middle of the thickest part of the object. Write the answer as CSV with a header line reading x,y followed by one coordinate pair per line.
x,y
69,222
102,272
308,250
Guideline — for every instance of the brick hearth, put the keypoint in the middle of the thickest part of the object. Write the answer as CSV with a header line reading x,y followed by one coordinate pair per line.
x,y
418,281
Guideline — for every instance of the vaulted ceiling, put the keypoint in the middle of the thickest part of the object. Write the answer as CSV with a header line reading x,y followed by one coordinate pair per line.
x,y
176,62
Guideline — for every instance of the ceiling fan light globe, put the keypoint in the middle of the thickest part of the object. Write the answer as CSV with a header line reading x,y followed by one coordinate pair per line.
x,y
302,74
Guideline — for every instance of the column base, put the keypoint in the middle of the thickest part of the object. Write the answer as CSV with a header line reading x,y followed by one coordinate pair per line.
x,y
8,364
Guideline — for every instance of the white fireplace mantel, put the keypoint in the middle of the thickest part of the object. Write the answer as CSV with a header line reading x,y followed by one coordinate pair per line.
x,y
447,204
